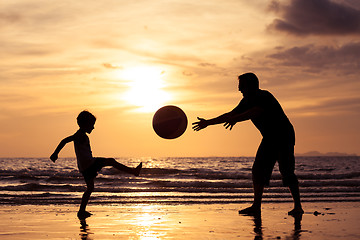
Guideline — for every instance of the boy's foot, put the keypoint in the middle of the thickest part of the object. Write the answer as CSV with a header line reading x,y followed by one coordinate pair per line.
x,y
138,169
296,211
83,214
251,211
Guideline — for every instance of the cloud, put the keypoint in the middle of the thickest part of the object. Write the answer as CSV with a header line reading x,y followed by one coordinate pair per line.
x,y
6,17
207,64
35,16
12,49
344,58
187,73
332,106
318,17
110,66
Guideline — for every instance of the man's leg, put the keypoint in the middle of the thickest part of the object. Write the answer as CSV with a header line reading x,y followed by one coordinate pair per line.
x,y
261,173
287,170
255,208
295,192
258,193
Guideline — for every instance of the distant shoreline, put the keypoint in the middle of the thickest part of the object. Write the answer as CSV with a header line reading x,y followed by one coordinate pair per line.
x,y
329,154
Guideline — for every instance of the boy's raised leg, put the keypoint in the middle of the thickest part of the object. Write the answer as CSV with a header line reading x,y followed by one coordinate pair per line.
x,y
138,169
122,167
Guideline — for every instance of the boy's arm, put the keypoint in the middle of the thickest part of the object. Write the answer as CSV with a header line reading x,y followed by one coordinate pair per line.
x,y
63,142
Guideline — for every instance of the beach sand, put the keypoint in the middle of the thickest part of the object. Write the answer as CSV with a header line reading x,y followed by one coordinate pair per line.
x,y
336,220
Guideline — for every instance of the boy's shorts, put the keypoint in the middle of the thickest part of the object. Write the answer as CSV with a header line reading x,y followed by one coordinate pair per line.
x,y
268,153
92,171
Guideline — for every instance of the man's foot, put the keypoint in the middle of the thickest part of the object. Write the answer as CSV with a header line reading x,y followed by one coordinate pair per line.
x,y
251,211
83,214
296,211
138,169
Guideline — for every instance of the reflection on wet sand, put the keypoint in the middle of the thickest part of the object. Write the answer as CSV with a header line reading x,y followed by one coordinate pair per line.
x,y
258,227
84,230
297,229
296,233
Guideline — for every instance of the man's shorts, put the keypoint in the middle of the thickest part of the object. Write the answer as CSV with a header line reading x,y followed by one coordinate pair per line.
x,y
92,171
268,153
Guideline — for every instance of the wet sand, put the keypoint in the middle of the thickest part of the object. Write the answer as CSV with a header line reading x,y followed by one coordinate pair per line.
x,y
332,220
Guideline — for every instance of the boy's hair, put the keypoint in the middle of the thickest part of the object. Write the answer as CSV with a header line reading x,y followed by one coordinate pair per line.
x,y
250,80
85,117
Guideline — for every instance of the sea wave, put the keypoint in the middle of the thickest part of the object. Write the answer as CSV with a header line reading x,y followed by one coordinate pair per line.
x,y
163,172
174,181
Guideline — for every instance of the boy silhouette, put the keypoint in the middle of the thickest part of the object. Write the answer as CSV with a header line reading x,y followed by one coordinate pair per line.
x,y
262,108
88,165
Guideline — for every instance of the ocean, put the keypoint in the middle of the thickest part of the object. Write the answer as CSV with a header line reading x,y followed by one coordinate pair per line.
x,y
175,180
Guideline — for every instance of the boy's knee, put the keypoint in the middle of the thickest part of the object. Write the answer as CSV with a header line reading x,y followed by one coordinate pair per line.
x,y
109,162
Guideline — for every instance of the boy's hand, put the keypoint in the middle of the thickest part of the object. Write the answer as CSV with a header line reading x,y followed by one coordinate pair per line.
x,y
54,157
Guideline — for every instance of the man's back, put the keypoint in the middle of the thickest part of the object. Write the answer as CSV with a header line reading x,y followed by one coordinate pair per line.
x,y
272,122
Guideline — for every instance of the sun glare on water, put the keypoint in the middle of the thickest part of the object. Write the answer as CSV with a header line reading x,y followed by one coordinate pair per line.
x,y
146,88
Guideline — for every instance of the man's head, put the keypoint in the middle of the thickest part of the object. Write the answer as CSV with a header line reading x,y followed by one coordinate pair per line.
x,y
86,121
248,84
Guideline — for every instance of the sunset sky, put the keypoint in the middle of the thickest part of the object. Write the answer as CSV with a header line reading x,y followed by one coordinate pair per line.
x,y
123,59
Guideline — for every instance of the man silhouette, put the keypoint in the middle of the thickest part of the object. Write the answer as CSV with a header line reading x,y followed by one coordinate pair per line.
x,y
262,108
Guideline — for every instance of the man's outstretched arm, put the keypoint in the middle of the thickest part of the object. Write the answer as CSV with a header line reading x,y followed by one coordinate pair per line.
x,y
203,123
247,115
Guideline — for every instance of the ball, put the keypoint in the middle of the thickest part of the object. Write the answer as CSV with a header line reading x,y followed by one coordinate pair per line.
x,y
169,122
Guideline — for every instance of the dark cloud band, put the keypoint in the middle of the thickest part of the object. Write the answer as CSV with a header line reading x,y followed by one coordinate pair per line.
x,y
344,58
319,17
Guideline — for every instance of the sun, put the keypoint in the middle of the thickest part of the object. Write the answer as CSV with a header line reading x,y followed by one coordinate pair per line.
x,y
146,87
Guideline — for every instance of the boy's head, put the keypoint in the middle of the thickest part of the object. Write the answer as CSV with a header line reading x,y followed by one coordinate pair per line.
x,y
86,120
248,83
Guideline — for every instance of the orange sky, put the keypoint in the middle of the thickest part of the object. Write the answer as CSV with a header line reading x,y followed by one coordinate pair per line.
x,y
122,60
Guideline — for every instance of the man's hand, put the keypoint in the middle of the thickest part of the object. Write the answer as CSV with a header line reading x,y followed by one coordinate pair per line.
x,y
229,124
54,157
201,124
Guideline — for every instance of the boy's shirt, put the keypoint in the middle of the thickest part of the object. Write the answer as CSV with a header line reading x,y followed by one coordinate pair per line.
x,y
83,151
